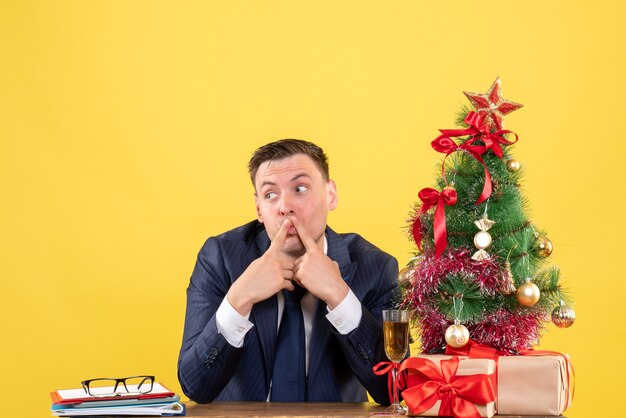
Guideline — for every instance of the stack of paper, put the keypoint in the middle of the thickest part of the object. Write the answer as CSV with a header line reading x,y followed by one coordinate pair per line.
x,y
75,402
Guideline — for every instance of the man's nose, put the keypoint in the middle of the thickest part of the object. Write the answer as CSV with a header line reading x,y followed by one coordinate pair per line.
x,y
286,205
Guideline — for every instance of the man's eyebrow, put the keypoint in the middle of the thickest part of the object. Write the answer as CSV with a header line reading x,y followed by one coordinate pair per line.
x,y
294,178
297,176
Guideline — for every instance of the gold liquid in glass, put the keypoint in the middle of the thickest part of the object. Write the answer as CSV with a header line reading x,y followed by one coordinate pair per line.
x,y
396,336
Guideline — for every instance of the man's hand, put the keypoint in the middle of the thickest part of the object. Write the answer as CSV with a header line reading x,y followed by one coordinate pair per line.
x,y
264,277
316,272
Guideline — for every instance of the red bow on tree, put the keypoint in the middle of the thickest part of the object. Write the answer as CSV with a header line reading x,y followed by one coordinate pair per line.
x,y
426,384
431,197
479,131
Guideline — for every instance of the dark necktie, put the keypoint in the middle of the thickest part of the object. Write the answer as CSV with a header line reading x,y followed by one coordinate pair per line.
x,y
289,375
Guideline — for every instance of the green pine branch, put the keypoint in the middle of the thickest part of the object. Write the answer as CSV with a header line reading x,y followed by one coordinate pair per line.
x,y
469,304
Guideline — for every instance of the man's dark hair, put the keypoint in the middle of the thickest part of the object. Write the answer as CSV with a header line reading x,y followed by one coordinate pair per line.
x,y
286,148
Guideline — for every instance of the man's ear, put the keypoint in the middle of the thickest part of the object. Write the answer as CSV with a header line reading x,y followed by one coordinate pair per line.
x,y
331,190
258,212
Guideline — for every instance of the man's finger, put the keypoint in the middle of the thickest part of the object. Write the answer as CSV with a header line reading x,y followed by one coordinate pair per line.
x,y
279,238
288,274
287,265
288,284
307,240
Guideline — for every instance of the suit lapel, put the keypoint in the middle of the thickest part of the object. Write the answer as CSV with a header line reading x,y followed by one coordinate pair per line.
x,y
321,333
264,314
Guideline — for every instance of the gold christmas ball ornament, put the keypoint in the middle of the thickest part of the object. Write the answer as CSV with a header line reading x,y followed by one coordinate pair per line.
x,y
482,240
527,293
543,246
457,335
513,165
563,316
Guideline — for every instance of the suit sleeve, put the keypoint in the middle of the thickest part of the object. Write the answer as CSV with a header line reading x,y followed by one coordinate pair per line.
x,y
206,361
364,347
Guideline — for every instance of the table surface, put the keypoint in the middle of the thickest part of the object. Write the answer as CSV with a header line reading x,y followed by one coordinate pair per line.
x,y
294,409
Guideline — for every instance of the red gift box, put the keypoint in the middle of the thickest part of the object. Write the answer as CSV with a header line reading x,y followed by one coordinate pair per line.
x,y
439,385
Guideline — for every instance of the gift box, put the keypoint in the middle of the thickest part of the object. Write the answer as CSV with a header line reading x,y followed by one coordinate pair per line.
x,y
536,382
533,384
440,385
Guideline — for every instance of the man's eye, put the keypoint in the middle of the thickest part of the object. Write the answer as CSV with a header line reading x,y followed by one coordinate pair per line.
x,y
301,189
270,195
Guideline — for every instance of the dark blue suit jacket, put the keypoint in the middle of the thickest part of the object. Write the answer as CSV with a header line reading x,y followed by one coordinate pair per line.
x,y
340,366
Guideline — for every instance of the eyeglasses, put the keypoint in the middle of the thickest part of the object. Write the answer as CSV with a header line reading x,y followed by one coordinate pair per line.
x,y
107,386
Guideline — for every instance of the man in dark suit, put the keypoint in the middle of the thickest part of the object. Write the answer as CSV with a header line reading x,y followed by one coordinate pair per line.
x,y
283,308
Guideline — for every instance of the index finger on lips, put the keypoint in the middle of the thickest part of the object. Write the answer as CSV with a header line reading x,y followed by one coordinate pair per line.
x,y
279,238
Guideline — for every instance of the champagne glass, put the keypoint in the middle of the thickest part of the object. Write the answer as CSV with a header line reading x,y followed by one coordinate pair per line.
x,y
396,332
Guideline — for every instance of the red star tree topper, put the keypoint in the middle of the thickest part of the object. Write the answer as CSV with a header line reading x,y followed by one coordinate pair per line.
x,y
491,106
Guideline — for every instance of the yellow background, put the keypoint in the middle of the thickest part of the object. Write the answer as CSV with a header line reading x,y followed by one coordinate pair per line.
x,y
126,126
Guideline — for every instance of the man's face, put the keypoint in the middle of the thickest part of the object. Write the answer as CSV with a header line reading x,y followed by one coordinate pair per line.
x,y
294,187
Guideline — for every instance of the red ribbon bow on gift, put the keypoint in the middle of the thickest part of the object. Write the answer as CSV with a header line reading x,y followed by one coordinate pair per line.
x,y
426,384
431,197
387,367
479,131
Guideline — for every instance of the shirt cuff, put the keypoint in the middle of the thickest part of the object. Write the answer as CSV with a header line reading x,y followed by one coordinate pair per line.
x,y
231,324
347,315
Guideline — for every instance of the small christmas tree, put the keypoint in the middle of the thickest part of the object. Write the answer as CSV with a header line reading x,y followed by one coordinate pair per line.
x,y
480,270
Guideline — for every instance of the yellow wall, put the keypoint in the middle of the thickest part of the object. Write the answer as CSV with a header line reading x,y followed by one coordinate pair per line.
x,y
125,128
